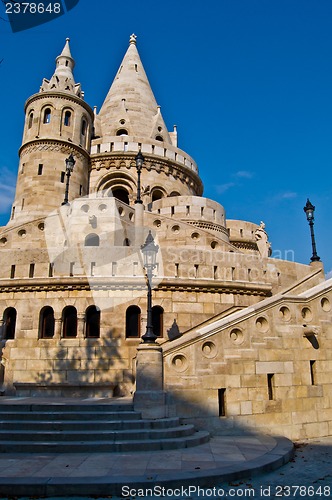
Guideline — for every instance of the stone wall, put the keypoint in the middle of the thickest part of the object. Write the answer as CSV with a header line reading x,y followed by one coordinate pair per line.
x,y
264,368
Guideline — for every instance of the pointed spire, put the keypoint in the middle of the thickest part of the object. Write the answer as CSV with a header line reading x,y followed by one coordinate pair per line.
x,y
130,107
63,78
66,51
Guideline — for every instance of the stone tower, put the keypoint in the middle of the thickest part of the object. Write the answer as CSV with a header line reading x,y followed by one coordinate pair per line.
x,y
130,120
58,123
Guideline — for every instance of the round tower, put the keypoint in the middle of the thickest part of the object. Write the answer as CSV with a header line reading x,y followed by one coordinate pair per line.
x,y
58,123
130,121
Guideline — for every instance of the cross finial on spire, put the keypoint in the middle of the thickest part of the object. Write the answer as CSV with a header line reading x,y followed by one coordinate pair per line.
x,y
132,39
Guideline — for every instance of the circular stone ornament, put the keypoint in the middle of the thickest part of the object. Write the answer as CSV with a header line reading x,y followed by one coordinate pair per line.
x,y
209,350
326,304
85,208
179,363
262,324
307,314
236,336
285,313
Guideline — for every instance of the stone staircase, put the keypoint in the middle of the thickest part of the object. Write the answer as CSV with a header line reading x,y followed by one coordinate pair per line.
x,y
55,427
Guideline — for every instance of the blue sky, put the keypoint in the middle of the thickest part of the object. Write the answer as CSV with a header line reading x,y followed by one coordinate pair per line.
x,y
247,82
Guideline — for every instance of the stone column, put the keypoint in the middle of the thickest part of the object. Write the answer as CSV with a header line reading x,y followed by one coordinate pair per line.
x,y
149,398
139,221
57,328
80,325
139,215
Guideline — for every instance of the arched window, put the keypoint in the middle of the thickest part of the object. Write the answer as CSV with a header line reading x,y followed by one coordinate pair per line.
x,y
69,322
133,322
126,242
30,119
67,118
92,240
46,323
157,195
83,127
174,193
122,131
157,320
92,321
47,115
159,138
121,194
9,323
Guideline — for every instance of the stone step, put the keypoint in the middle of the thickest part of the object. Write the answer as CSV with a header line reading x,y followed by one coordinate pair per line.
x,y
9,446
67,407
89,435
69,415
70,427
81,425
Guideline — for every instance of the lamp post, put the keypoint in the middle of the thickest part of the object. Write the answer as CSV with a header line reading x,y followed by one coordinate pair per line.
x,y
149,251
139,159
309,211
70,163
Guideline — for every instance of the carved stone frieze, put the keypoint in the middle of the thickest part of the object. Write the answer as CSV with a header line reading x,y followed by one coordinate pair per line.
x,y
210,226
52,145
245,245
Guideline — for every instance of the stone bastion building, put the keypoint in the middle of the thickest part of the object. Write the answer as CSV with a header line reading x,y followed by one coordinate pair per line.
x,y
246,339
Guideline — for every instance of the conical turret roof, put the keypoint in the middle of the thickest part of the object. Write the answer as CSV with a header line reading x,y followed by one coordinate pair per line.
x,y
66,52
63,78
130,107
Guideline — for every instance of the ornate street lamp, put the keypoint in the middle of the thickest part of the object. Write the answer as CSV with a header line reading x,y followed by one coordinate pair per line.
x,y
149,251
70,163
309,211
139,159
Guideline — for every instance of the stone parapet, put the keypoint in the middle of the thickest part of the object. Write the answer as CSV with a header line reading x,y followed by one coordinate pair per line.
x,y
152,148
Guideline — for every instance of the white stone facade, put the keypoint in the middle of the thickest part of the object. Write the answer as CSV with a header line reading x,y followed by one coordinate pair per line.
x,y
246,339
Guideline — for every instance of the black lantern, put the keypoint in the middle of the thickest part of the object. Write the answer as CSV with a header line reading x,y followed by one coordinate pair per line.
x,y
149,251
70,163
139,159
309,210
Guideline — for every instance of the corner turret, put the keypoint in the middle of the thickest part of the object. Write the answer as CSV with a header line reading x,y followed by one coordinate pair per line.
x,y
63,78
58,123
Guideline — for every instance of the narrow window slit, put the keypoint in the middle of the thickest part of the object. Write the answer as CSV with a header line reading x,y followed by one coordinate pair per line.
x,y
222,402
